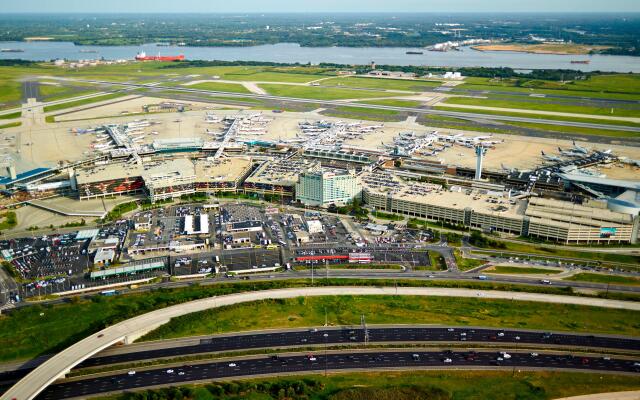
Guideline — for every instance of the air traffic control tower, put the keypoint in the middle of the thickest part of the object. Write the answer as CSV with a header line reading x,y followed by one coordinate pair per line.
x,y
480,152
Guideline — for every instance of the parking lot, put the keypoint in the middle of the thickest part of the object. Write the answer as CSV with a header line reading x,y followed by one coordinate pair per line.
x,y
154,230
339,255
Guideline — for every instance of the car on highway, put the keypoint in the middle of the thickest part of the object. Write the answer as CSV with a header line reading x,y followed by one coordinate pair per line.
x,y
447,361
533,354
131,372
233,365
170,371
311,357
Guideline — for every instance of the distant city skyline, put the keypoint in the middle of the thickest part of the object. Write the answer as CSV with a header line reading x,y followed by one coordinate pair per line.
x,y
280,6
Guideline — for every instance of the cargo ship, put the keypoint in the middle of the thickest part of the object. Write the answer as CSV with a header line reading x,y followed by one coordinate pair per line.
x,y
142,56
12,50
415,52
580,61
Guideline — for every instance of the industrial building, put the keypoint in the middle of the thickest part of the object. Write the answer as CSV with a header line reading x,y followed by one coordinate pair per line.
x,y
323,187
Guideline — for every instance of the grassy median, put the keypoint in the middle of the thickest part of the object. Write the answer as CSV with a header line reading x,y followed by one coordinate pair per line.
x,y
500,269
602,278
346,310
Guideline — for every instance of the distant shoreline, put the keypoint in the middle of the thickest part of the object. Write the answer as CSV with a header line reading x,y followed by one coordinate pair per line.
x,y
555,49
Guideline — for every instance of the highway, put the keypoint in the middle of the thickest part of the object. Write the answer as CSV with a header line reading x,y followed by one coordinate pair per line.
x,y
325,361
454,114
345,335
129,330
356,335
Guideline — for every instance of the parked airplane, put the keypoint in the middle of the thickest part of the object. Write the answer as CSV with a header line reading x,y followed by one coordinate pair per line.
x,y
580,149
570,153
550,158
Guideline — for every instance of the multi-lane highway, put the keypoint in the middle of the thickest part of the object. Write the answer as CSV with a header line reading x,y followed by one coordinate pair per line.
x,y
348,335
324,361
131,329
454,114
356,336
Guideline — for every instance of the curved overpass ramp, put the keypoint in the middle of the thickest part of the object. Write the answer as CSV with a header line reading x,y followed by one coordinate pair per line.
x,y
130,330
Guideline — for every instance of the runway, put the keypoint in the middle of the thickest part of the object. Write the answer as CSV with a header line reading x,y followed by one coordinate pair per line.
x,y
454,114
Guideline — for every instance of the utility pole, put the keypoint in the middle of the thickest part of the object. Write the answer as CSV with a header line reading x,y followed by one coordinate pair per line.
x,y
326,268
363,322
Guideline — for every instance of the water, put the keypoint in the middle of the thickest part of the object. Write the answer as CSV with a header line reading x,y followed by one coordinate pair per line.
x,y
291,53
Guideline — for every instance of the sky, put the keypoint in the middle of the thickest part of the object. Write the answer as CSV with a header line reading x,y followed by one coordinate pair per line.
x,y
266,6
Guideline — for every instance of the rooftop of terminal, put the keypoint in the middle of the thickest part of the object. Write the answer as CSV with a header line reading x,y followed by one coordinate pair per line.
x,y
281,172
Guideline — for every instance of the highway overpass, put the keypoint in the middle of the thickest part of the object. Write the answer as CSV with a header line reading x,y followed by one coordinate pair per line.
x,y
130,330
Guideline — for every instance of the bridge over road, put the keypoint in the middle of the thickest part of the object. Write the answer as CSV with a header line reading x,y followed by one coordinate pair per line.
x,y
128,331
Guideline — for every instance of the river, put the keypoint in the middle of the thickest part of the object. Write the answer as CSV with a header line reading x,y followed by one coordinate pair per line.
x,y
291,53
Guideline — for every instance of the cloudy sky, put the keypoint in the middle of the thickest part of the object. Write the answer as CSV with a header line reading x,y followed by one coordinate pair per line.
x,y
261,6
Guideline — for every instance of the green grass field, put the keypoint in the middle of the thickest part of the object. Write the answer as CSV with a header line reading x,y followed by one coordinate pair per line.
x,y
12,115
466,264
542,105
383,83
602,278
575,130
320,93
274,77
401,385
445,107
221,87
615,86
393,103
346,310
21,331
567,253
10,125
10,93
52,91
8,220
500,269
83,102
363,114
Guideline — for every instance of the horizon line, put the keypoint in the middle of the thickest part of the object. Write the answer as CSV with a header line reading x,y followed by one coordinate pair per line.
x,y
320,12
